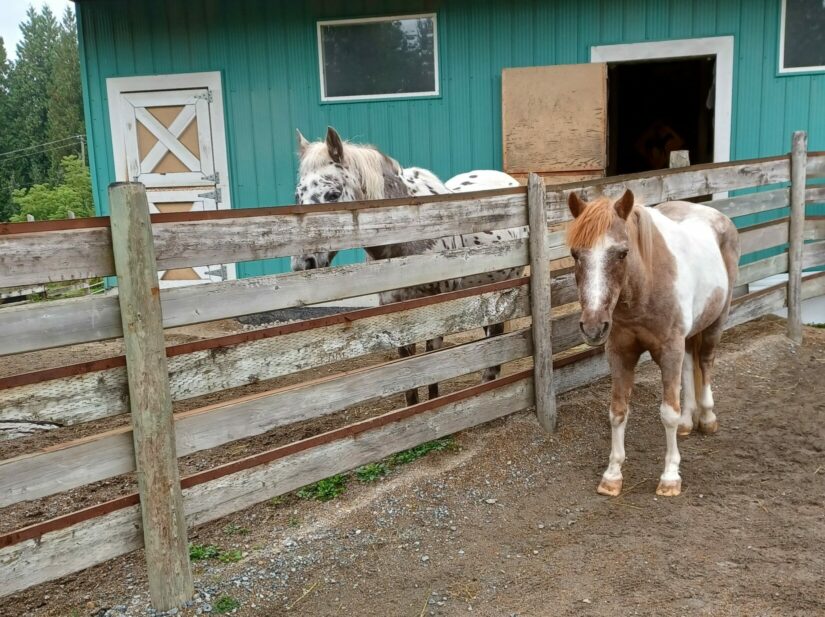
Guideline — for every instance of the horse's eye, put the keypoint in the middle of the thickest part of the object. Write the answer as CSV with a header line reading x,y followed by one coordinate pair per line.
x,y
332,195
623,254
575,254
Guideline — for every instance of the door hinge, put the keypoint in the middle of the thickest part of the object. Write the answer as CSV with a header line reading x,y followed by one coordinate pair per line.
x,y
206,96
214,195
215,177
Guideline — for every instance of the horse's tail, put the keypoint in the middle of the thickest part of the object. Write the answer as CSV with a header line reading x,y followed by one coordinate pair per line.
x,y
697,368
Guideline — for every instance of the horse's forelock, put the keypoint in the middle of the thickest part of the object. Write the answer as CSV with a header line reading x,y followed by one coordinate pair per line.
x,y
590,226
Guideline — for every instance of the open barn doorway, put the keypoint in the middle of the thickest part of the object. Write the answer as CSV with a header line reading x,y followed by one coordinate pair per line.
x,y
657,106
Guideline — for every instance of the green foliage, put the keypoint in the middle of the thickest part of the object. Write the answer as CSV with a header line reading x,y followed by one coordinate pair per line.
x,y
199,552
372,472
234,529
293,521
40,102
325,490
230,556
225,604
408,456
46,202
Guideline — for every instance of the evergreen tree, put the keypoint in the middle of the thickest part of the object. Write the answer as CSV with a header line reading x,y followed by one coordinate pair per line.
x,y
30,82
65,105
6,206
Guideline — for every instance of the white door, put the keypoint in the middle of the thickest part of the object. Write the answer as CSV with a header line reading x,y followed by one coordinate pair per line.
x,y
171,139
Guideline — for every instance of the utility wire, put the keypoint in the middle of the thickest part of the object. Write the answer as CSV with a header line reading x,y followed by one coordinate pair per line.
x,y
48,143
22,156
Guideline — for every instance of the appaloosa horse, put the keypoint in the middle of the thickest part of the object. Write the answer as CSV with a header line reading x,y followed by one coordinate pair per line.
x,y
659,280
334,170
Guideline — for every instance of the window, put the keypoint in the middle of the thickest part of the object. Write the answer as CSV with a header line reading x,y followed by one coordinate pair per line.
x,y
802,36
376,58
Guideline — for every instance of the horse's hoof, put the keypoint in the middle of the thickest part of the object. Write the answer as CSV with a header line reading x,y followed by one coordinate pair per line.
x,y
669,488
709,428
684,431
611,488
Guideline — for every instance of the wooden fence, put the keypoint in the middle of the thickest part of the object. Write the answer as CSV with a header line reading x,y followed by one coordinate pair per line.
x,y
134,247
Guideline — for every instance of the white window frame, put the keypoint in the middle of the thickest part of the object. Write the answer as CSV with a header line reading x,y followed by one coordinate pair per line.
x,y
796,69
719,46
374,97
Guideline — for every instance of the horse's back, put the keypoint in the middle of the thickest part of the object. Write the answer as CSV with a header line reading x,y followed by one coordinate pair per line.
x,y
480,180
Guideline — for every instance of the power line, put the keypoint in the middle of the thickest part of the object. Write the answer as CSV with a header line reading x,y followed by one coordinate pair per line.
x,y
22,156
48,143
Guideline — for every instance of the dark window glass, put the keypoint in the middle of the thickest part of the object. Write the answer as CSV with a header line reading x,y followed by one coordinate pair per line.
x,y
804,33
393,56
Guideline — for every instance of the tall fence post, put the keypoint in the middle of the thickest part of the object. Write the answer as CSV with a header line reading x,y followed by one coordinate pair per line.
x,y
796,234
540,304
150,402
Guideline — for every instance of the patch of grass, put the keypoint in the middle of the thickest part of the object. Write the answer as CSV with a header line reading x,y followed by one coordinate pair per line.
x,y
199,552
413,454
818,325
225,604
234,529
372,472
326,489
229,556
276,501
294,521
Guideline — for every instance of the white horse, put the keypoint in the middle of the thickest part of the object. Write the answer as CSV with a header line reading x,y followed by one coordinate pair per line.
x,y
334,170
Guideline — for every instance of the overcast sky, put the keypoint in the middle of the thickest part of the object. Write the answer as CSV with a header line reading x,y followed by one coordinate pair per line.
x,y
12,12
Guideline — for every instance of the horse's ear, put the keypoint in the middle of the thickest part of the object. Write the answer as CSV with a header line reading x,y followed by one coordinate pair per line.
x,y
303,144
576,205
624,204
334,145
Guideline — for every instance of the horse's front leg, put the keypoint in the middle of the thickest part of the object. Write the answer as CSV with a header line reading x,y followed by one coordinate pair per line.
x,y
670,362
434,345
405,351
492,372
622,367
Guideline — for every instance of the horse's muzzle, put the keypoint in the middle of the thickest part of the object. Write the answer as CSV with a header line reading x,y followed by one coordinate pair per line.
x,y
595,333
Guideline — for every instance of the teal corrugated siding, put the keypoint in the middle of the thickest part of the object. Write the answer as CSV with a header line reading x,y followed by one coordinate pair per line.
x,y
266,51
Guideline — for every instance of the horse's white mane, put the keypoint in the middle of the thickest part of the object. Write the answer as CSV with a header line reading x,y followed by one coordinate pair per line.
x,y
365,161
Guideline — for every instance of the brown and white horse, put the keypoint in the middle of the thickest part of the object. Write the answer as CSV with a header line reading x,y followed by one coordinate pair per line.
x,y
659,280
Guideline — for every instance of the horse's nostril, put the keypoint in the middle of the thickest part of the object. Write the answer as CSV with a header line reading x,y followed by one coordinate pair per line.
x,y
605,326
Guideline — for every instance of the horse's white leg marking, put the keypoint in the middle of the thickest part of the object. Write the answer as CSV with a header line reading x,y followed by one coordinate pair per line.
x,y
689,409
670,476
611,483
707,419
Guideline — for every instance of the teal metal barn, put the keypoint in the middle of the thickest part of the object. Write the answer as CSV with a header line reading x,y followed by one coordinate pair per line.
x,y
249,72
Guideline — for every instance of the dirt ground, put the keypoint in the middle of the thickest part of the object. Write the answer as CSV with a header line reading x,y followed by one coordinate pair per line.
x,y
508,522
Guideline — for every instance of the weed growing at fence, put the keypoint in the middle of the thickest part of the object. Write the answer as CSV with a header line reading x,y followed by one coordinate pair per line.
x,y
326,489
230,556
372,472
233,529
201,552
226,604
437,445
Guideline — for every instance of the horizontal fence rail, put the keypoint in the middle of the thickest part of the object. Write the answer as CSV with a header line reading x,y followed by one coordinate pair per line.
x,y
203,238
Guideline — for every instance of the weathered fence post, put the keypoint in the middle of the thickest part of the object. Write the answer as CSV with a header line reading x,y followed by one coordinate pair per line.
x,y
680,158
150,402
796,234
540,304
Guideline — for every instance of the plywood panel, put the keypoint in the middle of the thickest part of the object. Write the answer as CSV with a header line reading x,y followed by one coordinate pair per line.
x,y
554,118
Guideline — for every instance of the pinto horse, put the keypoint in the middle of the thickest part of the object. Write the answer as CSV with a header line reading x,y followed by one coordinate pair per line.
x,y
335,170
658,280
